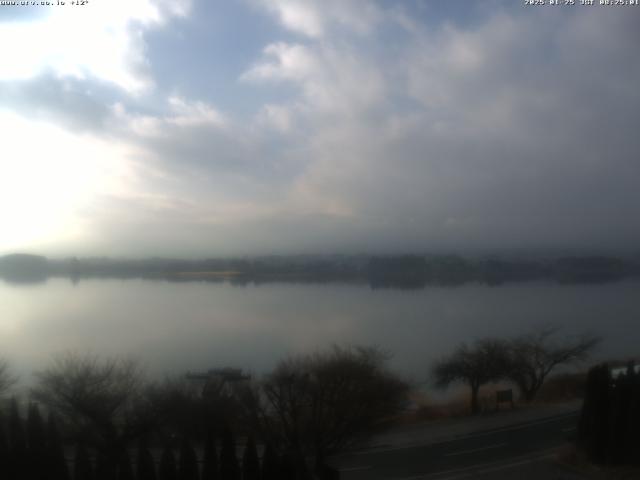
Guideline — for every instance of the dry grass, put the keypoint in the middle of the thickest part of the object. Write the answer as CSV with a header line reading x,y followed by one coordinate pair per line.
x,y
455,405
558,389
562,388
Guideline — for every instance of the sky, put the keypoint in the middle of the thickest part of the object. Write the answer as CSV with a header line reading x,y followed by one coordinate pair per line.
x,y
210,128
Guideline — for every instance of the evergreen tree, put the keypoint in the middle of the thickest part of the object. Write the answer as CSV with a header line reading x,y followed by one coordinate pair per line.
x,y
633,427
610,417
188,467
270,464
146,465
229,468
37,444
210,467
125,471
287,470
300,467
35,430
326,472
603,416
618,445
18,444
4,450
82,469
168,470
105,469
250,462
57,463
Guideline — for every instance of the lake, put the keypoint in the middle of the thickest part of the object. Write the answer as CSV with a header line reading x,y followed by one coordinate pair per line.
x,y
174,327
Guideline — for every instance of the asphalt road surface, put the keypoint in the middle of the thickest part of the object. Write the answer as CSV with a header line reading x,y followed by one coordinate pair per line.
x,y
508,448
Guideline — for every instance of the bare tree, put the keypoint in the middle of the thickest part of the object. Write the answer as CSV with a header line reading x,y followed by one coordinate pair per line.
x,y
534,356
96,396
178,406
483,362
319,404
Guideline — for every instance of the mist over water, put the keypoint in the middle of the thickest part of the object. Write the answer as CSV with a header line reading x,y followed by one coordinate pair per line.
x,y
176,327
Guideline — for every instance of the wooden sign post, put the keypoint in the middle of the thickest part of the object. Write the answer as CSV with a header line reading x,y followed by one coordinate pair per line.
x,y
503,396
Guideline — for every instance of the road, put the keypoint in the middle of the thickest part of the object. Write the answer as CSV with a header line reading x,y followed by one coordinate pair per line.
x,y
472,455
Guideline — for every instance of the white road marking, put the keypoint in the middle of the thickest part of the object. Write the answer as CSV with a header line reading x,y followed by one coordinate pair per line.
x,y
464,452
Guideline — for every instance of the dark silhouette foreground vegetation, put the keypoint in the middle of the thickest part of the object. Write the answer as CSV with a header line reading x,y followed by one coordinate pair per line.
x,y
107,422
324,403
532,357
609,427
114,425
526,361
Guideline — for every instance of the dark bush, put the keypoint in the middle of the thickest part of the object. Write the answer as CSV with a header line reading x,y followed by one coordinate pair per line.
x,y
270,465
125,471
188,467
608,429
168,469
210,469
146,467
250,462
229,468
82,469
57,464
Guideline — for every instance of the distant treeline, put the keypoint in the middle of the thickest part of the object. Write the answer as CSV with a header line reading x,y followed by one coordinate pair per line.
x,y
399,271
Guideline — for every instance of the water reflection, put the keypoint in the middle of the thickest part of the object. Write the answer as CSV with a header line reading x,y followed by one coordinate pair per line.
x,y
175,327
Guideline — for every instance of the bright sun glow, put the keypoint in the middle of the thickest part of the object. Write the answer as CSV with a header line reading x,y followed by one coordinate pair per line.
x,y
47,177
99,40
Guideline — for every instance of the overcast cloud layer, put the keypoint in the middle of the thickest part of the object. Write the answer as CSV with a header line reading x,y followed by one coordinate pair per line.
x,y
142,127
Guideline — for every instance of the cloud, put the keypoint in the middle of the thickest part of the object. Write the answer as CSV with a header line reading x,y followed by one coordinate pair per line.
x,y
103,40
485,137
189,138
515,130
314,18
330,79
192,114
68,101
495,135
284,62
182,114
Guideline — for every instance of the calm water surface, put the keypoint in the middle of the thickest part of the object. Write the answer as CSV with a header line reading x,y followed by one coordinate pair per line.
x,y
174,327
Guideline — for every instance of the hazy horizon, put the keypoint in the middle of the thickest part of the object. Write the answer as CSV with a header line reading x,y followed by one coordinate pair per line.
x,y
549,253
